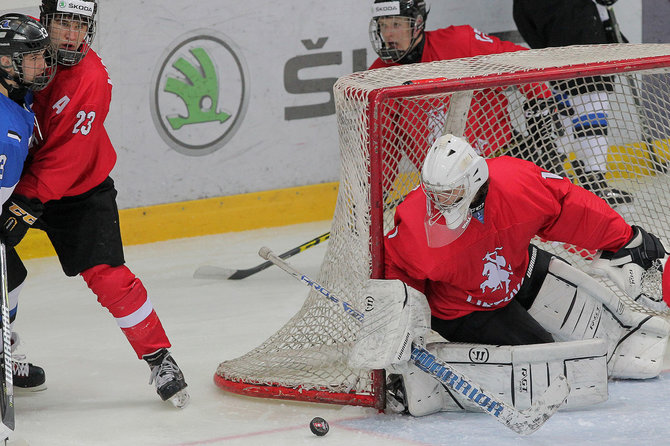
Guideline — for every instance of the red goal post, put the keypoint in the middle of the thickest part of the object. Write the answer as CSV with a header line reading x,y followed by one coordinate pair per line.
x,y
610,128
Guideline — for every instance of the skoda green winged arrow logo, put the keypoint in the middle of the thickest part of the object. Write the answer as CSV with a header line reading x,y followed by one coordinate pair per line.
x,y
200,93
198,87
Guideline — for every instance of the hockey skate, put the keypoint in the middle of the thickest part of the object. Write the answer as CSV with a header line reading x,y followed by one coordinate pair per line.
x,y
611,195
169,379
396,401
595,182
27,377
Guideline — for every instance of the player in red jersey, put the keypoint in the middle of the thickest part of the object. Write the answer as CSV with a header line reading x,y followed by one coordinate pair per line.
x,y
398,37
67,190
461,250
464,240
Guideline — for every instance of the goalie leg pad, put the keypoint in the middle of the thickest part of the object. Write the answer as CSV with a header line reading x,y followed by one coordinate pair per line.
x,y
572,305
422,394
639,353
517,374
395,315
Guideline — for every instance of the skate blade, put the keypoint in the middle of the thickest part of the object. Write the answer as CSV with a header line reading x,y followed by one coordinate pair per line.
x,y
180,399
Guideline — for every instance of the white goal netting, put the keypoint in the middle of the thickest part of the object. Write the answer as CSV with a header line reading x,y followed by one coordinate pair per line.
x,y
608,129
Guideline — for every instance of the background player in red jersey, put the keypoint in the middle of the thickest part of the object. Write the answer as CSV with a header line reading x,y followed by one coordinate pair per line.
x,y
67,190
398,36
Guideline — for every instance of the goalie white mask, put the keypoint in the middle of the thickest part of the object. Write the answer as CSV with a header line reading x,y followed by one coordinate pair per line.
x,y
451,175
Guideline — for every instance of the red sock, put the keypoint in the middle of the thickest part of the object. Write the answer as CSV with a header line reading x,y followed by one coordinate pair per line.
x,y
125,297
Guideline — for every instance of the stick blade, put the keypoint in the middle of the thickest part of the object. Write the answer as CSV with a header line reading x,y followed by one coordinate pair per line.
x,y
213,272
528,421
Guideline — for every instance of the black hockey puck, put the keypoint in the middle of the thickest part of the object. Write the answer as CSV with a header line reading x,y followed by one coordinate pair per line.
x,y
319,426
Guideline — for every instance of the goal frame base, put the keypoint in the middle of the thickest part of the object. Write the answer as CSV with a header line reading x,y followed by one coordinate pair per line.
x,y
376,399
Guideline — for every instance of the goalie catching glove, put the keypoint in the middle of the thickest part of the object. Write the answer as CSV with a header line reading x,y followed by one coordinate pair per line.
x,y
629,266
18,215
395,316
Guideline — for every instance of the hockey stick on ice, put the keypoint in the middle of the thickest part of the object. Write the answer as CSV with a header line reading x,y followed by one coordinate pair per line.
x,y
6,364
522,422
217,272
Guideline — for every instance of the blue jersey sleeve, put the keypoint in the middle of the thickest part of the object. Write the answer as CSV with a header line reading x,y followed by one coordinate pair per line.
x,y
16,128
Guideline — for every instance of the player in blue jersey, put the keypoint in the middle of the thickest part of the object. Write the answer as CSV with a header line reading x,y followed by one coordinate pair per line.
x,y
27,64
24,66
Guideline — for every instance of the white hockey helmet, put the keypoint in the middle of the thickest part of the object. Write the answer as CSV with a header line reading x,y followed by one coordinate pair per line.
x,y
451,175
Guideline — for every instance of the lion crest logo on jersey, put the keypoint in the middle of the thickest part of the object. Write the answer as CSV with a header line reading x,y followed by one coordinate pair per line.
x,y
497,272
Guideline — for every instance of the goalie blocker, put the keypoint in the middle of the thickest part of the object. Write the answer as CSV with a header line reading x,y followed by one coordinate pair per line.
x,y
600,337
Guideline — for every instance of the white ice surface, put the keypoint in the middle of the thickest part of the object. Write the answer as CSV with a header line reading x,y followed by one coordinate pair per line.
x,y
98,392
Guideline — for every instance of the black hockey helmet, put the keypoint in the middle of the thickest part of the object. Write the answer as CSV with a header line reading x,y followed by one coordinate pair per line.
x,y
73,15
22,36
405,8
412,12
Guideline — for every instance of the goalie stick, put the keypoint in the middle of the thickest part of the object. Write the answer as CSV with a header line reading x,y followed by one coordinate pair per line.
x,y
6,365
523,422
217,272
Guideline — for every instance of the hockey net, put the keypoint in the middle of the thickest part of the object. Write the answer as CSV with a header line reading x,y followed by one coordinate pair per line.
x,y
612,131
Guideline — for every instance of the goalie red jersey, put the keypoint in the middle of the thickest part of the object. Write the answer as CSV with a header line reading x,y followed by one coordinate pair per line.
x,y
488,105
484,268
73,152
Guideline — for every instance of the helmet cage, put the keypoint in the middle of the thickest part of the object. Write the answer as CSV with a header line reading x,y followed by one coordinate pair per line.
x,y
451,176
41,80
73,16
386,52
23,37
452,201
409,16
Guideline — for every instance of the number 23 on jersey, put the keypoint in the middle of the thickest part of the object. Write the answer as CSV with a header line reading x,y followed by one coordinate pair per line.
x,y
84,119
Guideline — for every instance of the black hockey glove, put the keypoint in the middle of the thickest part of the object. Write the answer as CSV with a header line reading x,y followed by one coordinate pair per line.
x,y
18,215
541,120
642,249
544,126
